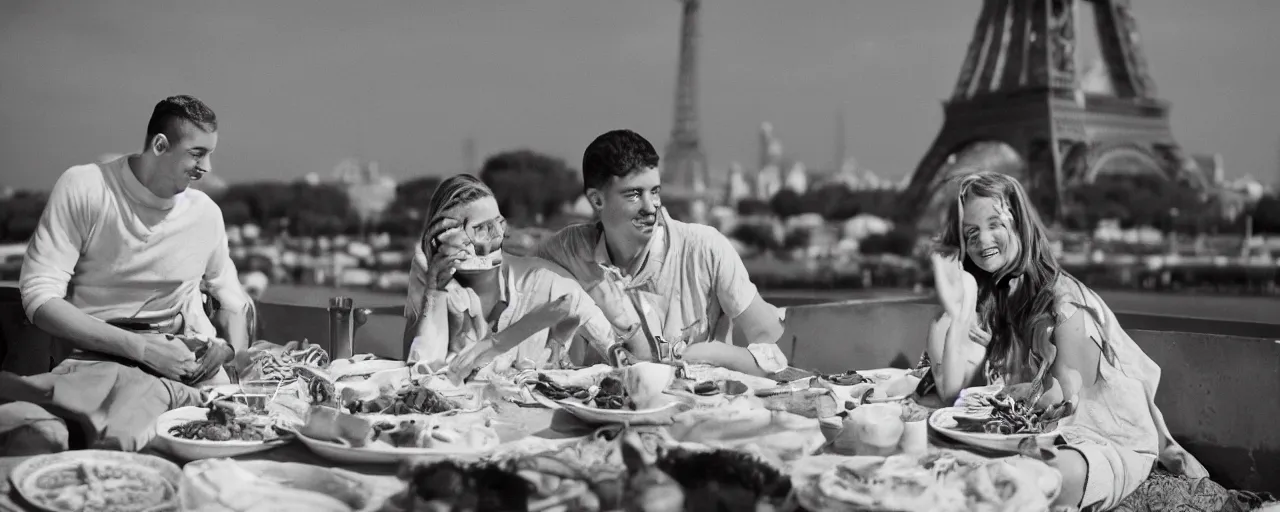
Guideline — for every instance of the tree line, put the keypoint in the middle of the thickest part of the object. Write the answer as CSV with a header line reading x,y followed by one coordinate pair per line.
x,y
532,187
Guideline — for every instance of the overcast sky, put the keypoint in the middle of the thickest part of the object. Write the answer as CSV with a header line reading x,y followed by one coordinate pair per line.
x,y
299,85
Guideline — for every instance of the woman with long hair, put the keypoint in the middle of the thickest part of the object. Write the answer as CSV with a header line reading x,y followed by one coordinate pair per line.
x,y
471,303
1012,316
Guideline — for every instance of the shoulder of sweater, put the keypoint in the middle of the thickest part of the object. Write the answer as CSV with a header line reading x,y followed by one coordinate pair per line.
x,y
200,199
201,204
83,178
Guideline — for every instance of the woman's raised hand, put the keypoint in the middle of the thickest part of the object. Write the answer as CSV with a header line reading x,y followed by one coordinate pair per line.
x,y
957,289
444,259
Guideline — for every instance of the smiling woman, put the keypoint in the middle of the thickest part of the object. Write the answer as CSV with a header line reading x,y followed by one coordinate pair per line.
x,y
1014,318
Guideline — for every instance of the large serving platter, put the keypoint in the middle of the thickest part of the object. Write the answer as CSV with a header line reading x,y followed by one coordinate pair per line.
x,y
1037,477
196,449
876,377
225,484
585,377
655,416
33,477
381,453
943,421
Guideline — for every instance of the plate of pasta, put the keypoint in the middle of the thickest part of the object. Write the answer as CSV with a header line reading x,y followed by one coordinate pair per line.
x,y
1001,423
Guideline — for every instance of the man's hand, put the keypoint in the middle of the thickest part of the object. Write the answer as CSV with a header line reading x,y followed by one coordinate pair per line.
x,y
470,359
556,315
216,353
168,356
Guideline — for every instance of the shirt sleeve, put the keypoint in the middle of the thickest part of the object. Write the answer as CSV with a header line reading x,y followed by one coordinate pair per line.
x,y
59,239
220,276
732,283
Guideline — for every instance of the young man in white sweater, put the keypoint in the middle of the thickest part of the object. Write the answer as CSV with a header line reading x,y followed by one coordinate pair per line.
x,y
115,270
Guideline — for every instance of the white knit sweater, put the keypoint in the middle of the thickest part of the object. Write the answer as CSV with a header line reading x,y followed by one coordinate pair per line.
x,y
117,251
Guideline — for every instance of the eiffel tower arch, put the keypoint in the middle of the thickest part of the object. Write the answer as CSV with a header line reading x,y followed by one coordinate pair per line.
x,y
1020,88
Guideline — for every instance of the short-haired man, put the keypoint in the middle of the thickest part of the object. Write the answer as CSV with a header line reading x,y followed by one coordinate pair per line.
x,y
686,278
115,269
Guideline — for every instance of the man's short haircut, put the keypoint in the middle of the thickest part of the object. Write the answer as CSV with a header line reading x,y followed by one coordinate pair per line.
x,y
614,155
172,112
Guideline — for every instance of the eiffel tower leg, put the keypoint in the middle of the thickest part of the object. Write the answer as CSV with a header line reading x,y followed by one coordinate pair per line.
x,y
924,183
1042,177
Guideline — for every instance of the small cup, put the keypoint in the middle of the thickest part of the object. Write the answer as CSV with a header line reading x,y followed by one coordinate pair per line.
x,y
915,437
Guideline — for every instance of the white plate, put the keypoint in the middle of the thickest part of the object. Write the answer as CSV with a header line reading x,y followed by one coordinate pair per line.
x,y
876,377
806,472
215,484
519,387
344,368
943,421
381,453
27,475
196,449
580,377
348,454
705,372
882,375
656,416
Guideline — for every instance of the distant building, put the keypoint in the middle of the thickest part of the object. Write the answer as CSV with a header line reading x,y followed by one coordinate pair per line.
x,y
1233,197
737,187
852,177
797,179
768,182
369,191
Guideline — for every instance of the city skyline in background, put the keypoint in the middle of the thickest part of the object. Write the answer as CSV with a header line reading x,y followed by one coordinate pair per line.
x,y
299,87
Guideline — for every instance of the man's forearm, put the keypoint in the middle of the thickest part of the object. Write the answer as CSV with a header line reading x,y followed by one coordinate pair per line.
x,y
234,325
431,328
761,322
63,320
724,355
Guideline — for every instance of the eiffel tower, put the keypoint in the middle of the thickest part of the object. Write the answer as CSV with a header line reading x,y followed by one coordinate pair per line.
x,y
684,164
1020,87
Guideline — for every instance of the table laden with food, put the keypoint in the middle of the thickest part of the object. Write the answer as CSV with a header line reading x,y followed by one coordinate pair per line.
x,y
301,432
